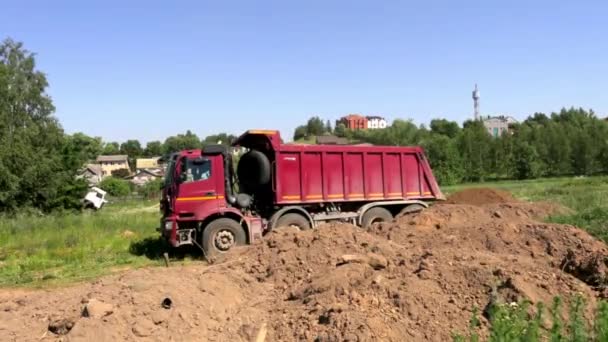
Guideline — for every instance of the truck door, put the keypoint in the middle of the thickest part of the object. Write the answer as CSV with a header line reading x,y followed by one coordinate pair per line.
x,y
197,194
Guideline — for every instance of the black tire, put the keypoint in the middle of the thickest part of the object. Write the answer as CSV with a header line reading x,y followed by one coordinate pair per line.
x,y
412,208
374,215
253,170
221,235
293,219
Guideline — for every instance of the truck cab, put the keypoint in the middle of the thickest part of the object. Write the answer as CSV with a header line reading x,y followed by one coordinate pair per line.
x,y
198,205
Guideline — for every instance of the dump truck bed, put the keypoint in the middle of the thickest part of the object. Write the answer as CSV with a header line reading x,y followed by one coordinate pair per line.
x,y
337,173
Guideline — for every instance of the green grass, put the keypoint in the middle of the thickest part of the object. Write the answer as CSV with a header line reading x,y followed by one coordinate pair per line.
x,y
587,197
60,248
521,323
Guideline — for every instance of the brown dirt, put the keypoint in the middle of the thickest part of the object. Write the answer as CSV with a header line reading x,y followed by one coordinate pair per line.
x,y
480,196
416,278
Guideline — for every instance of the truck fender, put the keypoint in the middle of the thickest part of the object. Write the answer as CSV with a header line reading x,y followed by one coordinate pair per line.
x,y
368,206
292,208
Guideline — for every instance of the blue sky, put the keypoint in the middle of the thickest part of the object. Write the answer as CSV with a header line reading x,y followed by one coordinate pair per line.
x,y
150,69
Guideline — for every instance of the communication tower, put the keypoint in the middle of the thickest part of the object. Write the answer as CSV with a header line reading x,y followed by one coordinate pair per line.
x,y
476,102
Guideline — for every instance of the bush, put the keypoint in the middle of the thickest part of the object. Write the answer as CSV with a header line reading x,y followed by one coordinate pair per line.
x,y
120,173
151,189
115,186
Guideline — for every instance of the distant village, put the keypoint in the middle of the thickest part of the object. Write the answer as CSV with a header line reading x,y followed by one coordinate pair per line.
x,y
146,169
495,125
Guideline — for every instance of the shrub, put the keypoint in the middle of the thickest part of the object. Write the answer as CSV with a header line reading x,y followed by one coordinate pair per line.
x,y
115,186
120,173
151,189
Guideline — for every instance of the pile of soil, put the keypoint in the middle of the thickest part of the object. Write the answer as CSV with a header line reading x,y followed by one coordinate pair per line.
x,y
417,278
480,196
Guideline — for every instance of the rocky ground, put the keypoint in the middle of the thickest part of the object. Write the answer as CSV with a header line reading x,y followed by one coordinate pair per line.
x,y
417,278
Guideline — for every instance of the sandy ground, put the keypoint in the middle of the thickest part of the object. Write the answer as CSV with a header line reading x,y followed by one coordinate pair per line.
x,y
417,278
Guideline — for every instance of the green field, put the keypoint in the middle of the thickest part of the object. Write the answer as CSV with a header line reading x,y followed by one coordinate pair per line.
x,y
47,250
62,248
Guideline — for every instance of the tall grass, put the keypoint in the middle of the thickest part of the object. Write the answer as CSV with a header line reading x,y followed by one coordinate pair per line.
x,y
67,247
517,323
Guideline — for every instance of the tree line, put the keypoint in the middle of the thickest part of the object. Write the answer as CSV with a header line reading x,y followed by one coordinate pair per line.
x,y
91,147
571,142
156,148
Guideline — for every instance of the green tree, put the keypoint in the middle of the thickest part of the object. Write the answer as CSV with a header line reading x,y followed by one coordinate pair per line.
x,y
115,186
79,149
328,128
111,148
444,158
153,149
33,170
340,129
525,162
558,150
222,139
132,148
582,153
315,126
474,145
182,142
300,133
445,127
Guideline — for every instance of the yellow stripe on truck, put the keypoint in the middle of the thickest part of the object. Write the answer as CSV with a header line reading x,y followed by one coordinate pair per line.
x,y
201,198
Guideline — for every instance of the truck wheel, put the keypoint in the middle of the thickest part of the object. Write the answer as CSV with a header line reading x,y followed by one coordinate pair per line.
x,y
375,215
412,208
294,220
222,235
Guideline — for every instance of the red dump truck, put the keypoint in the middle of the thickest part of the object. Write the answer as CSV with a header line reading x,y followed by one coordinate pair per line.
x,y
275,185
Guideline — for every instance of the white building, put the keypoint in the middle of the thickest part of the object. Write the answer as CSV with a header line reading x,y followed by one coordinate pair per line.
x,y
376,122
498,125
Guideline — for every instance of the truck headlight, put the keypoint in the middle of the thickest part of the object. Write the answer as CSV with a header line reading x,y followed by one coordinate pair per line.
x,y
168,225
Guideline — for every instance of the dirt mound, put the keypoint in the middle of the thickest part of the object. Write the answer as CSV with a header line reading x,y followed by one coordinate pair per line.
x,y
480,196
417,278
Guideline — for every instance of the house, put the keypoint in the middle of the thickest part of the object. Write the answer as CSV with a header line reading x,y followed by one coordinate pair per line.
x,y
143,176
353,121
356,121
498,125
111,163
147,163
91,173
376,122
330,140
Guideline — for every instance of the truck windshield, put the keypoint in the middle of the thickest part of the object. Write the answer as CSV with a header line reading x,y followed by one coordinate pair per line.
x,y
195,171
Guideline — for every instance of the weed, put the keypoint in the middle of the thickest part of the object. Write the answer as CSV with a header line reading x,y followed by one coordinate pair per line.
x,y
516,323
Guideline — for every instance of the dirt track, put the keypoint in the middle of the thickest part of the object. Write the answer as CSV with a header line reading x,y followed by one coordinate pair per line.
x,y
417,278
